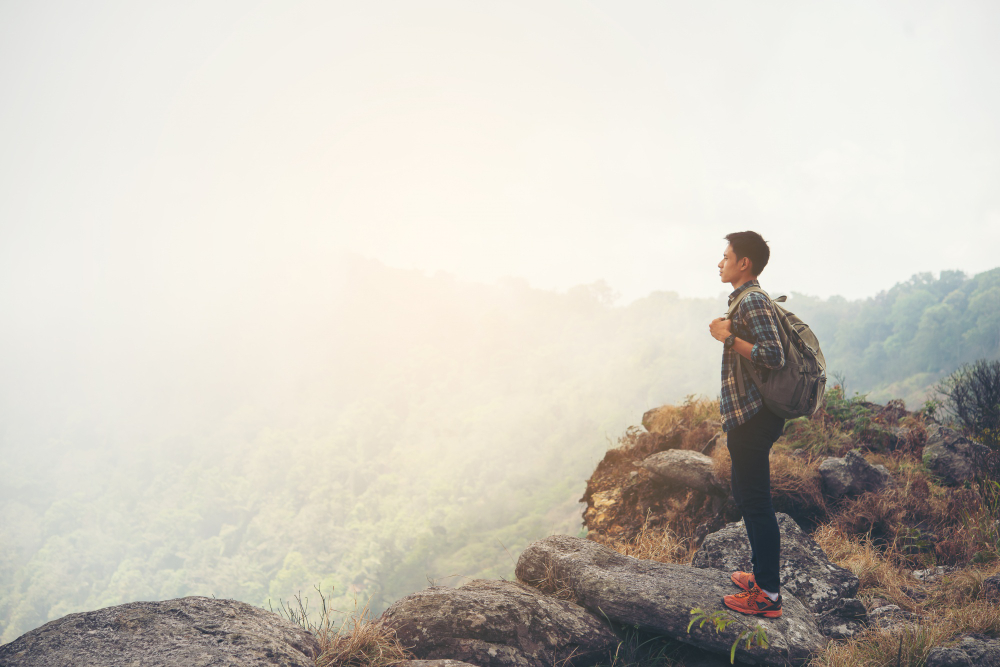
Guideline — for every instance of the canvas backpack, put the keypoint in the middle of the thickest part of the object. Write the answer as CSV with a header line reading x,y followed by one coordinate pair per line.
x,y
796,389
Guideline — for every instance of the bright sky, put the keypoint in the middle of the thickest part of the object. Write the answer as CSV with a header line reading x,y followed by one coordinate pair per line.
x,y
175,145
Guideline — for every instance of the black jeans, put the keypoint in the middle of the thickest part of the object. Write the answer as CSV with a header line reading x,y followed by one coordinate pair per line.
x,y
750,448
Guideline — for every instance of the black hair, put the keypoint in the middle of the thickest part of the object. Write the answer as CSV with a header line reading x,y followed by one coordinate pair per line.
x,y
752,246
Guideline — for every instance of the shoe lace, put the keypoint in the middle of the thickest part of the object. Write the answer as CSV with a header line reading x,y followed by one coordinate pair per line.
x,y
752,593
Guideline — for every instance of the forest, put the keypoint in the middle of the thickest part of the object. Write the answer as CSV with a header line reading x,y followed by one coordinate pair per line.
x,y
434,428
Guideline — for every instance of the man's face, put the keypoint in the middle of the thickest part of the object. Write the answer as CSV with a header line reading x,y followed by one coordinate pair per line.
x,y
730,267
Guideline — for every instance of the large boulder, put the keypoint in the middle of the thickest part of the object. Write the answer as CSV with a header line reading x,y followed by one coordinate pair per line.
x,y
686,468
659,597
499,624
805,570
951,456
187,632
852,475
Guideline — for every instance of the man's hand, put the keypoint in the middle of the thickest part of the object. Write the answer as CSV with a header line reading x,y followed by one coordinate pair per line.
x,y
720,328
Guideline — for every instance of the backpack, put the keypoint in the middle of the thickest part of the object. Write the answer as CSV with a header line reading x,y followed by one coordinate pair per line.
x,y
796,389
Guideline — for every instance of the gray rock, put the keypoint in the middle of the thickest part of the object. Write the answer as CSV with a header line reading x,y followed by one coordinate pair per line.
x,y
659,597
805,570
890,616
685,468
991,588
947,657
932,574
187,632
852,475
951,456
846,618
499,624
983,651
971,650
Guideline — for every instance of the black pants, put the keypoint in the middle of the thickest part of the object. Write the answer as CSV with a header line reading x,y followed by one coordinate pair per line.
x,y
750,448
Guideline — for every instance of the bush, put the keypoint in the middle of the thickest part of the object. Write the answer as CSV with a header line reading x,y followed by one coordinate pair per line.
x,y
972,395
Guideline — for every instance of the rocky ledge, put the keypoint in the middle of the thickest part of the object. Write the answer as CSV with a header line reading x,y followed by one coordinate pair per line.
x,y
189,632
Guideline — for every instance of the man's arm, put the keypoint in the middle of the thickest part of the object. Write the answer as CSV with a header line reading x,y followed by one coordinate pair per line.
x,y
759,316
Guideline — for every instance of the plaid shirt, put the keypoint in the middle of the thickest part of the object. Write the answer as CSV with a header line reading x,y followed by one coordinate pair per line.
x,y
753,321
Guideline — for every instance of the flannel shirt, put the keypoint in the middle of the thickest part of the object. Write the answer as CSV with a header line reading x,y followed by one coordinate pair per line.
x,y
755,321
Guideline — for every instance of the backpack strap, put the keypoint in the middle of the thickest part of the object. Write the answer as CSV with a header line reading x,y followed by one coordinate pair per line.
x,y
741,362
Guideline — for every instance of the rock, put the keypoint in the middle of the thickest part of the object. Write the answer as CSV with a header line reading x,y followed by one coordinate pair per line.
x,y
685,468
847,617
991,588
658,597
499,624
932,574
982,651
186,632
947,657
852,475
971,650
890,616
433,663
806,572
951,456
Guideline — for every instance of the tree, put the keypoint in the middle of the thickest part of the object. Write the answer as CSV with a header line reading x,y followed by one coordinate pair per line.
x,y
972,395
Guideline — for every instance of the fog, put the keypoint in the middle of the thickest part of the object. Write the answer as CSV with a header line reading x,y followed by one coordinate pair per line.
x,y
229,224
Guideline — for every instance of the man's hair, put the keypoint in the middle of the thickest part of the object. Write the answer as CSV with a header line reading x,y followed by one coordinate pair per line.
x,y
752,246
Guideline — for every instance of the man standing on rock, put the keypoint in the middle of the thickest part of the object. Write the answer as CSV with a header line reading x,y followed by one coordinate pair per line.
x,y
750,427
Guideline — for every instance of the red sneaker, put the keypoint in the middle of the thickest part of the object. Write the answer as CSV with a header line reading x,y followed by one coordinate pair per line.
x,y
754,602
744,580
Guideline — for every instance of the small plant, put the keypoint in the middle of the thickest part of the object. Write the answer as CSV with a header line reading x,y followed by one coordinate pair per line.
x,y
360,641
722,619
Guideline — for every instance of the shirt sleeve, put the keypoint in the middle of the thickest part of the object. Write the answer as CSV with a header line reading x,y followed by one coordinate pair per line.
x,y
758,314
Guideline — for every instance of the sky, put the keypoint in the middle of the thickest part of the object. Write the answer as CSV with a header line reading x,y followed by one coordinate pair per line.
x,y
155,152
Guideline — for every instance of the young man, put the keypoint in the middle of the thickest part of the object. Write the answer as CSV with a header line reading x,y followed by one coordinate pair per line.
x,y
750,427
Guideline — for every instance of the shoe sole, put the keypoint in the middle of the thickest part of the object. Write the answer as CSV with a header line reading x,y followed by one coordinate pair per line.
x,y
776,613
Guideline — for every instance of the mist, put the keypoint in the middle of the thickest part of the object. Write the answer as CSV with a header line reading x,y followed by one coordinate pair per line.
x,y
302,285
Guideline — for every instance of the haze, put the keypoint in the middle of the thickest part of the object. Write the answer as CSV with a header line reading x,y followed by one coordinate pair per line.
x,y
278,228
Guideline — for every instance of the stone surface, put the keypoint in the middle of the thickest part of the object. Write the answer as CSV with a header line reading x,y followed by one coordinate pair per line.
x,y
991,588
806,572
932,574
846,618
890,616
444,662
686,468
187,632
852,475
947,657
498,624
659,597
951,456
983,651
971,650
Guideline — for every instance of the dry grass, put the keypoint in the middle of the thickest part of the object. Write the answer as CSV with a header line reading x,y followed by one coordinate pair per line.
x,y
796,486
692,412
660,544
552,584
361,640
949,607
818,437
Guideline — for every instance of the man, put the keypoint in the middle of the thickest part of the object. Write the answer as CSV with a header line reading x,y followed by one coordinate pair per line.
x,y
750,427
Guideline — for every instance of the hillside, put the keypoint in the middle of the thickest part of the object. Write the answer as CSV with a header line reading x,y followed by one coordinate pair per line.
x,y
406,429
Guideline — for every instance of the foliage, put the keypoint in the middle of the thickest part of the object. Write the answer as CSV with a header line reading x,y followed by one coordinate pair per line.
x,y
750,633
428,431
972,395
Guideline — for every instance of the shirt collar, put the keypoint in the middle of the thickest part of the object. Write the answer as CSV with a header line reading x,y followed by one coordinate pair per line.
x,y
736,292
